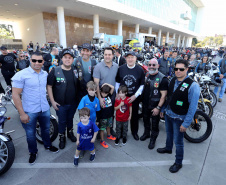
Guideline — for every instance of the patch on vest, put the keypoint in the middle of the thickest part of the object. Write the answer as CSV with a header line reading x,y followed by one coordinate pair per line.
x,y
180,103
156,84
157,79
58,79
79,64
185,85
76,73
156,92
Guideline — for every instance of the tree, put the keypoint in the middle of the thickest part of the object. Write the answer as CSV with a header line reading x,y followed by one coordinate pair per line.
x,y
194,41
198,45
6,31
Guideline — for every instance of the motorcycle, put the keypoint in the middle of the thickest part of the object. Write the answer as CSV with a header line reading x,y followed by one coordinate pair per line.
x,y
7,150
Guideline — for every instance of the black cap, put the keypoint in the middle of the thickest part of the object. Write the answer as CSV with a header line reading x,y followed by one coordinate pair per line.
x,y
130,53
3,48
87,46
68,52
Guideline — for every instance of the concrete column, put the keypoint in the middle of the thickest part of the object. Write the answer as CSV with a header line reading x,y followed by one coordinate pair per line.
x,y
159,37
189,43
95,23
61,26
174,37
183,41
137,28
120,27
178,41
167,38
199,20
150,30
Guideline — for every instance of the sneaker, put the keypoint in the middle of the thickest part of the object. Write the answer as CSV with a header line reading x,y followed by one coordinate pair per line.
x,y
53,149
92,157
124,141
62,141
103,144
76,161
71,135
32,158
111,137
117,141
219,99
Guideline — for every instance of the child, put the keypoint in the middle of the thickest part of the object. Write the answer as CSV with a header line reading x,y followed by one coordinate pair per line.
x,y
86,134
90,101
106,114
123,114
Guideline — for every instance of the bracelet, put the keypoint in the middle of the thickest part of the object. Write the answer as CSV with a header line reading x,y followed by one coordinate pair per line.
x,y
159,108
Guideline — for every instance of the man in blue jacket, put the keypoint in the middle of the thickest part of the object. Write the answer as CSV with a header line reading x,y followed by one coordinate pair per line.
x,y
222,73
182,101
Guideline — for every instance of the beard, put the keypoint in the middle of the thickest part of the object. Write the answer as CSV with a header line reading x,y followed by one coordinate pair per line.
x,y
153,71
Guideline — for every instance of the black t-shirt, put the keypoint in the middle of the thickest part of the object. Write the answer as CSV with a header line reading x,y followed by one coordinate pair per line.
x,y
70,94
7,62
132,78
31,45
163,86
107,111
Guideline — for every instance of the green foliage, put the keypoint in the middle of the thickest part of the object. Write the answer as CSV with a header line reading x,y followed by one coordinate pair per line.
x,y
194,41
198,45
210,41
6,31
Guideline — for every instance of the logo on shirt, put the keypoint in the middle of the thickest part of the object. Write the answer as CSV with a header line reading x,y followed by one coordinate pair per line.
x,y
89,69
90,130
156,84
8,59
123,108
129,80
180,103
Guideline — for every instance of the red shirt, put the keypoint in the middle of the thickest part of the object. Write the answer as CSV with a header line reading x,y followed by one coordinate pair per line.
x,y
122,114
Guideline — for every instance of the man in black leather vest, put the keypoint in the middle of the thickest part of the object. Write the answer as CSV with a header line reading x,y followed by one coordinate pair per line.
x,y
154,94
62,90
164,64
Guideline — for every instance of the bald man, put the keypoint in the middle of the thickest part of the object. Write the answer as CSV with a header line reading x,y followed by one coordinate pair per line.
x,y
154,95
50,59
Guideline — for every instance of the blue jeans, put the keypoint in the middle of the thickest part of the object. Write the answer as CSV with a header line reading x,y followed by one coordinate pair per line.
x,y
30,129
65,117
222,89
174,134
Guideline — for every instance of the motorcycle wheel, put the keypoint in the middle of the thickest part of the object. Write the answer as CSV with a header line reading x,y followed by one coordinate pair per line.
x,y
53,131
208,107
212,97
204,124
7,155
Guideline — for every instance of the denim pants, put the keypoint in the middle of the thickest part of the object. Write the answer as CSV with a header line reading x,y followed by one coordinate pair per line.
x,y
30,128
174,134
65,117
222,89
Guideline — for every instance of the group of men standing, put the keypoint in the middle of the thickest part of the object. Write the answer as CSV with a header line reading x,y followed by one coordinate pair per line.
x,y
66,85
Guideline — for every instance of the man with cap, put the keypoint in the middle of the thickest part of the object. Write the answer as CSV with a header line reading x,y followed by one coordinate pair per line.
x,y
84,66
62,87
7,65
154,95
132,76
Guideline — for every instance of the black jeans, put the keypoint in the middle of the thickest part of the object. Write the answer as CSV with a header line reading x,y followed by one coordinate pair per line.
x,y
7,76
147,114
135,118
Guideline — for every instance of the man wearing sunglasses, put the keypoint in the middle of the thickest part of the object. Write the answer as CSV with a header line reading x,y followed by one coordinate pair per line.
x,y
31,82
62,90
182,101
154,95
22,63
7,64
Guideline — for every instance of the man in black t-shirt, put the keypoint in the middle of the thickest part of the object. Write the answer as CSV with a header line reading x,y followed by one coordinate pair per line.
x,y
62,87
132,76
154,95
7,65
31,44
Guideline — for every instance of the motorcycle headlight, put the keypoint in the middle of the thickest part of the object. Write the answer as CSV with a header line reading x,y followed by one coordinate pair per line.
x,y
2,111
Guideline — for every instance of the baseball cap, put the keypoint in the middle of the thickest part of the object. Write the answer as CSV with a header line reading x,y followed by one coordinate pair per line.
x,y
130,53
87,46
68,52
3,48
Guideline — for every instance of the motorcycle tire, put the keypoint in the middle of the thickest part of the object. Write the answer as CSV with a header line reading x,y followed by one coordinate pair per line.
x,y
212,97
191,131
53,131
209,108
6,148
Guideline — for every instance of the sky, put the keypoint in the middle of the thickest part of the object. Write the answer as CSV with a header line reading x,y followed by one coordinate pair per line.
x,y
214,17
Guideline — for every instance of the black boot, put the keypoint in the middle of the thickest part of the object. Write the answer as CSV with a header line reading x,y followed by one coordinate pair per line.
x,y
62,141
146,135
71,135
112,132
152,143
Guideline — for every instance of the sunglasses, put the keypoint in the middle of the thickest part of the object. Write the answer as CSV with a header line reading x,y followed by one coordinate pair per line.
x,y
152,65
34,61
181,69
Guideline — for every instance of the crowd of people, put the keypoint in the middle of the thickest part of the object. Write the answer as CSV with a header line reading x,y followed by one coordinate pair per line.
x,y
103,92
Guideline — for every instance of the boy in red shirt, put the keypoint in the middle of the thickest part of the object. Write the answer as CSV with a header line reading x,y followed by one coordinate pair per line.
x,y
123,114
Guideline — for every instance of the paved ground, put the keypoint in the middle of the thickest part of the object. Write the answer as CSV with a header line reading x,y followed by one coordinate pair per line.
x,y
204,163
